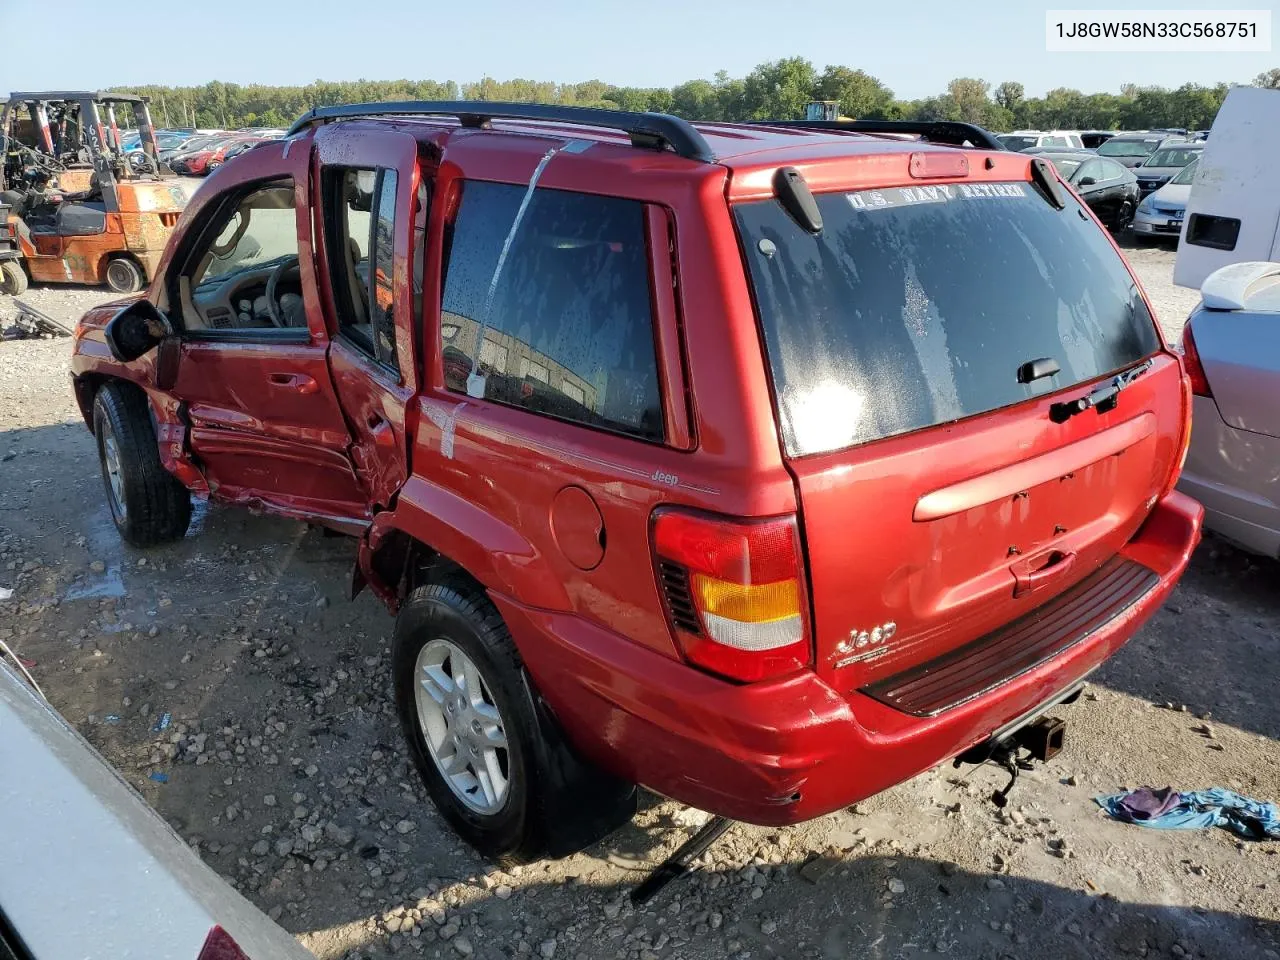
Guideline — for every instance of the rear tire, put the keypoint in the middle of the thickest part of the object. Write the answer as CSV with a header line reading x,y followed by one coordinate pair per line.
x,y
148,505
125,276
13,279
550,801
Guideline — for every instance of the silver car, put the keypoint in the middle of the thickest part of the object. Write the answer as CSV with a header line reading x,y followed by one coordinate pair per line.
x,y
1165,164
1160,213
1231,345
73,832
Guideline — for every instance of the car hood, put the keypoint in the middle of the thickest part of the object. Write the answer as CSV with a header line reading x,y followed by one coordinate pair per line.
x,y
1125,161
1172,196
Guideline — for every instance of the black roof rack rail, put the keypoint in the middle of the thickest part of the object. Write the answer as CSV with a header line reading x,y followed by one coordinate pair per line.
x,y
653,130
950,132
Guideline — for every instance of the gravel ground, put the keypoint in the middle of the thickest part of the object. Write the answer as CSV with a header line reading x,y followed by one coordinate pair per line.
x,y
285,768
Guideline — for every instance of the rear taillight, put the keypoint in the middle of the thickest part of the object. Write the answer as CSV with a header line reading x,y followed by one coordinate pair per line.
x,y
1191,363
734,592
1184,393
219,946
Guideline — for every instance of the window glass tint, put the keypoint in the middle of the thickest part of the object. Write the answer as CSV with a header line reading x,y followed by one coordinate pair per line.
x,y
1116,147
917,305
1056,141
1066,166
570,329
1187,174
360,215
384,328
1015,143
1171,158
1112,170
1093,169
229,276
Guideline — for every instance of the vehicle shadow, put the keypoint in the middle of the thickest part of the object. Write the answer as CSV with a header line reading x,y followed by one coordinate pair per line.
x,y
862,906
1213,647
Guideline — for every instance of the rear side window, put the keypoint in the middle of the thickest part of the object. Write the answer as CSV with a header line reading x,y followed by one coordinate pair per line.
x,y
916,306
569,331
1112,170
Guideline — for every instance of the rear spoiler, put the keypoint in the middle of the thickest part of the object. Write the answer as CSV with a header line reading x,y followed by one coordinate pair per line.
x,y
951,133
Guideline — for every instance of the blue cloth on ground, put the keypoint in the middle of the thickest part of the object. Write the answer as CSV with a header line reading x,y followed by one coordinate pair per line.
x,y
1201,809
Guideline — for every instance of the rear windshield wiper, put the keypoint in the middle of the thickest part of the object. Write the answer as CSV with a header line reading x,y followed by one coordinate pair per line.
x,y
1101,398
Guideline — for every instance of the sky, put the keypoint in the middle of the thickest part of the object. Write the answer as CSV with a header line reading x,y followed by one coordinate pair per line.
x,y
914,46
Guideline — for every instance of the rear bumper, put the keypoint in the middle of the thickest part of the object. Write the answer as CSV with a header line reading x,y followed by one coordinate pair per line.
x,y
786,751
1233,473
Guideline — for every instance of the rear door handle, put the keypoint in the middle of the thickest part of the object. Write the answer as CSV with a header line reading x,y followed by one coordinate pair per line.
x,y
298,382
1041,569
380,430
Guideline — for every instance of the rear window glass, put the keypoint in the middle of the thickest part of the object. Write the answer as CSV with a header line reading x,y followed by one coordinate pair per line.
x,y
1066,166
1127,148
916,306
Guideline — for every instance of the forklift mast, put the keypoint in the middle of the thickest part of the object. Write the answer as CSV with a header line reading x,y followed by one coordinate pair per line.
x,y
99,135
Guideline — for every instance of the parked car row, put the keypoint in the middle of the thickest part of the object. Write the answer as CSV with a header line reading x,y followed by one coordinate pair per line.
x,y
1115,172
199,152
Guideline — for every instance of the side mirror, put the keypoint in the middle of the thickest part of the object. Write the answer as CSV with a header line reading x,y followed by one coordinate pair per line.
x,y
137,329
1086,182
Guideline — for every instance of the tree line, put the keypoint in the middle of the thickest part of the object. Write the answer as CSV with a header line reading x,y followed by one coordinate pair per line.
x,y
775,90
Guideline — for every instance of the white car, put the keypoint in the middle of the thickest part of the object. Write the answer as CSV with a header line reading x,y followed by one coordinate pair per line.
x,y
73,832
1024,139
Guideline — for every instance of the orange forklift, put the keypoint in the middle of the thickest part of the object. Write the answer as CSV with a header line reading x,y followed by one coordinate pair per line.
x,y
76,208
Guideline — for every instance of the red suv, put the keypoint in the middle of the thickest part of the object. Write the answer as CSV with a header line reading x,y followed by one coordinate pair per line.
x,y
765,466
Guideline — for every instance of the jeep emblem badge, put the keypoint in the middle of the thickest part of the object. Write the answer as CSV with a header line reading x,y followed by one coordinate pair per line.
x,y
862,639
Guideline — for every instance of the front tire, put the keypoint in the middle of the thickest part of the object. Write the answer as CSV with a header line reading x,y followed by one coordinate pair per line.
x,y
1124,217
148,505
125,276
491,757
13,279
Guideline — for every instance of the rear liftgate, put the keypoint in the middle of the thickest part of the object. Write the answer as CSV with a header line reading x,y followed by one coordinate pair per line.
x,y
1014,747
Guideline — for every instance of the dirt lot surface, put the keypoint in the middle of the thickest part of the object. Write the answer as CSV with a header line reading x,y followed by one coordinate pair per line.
x,y
285,768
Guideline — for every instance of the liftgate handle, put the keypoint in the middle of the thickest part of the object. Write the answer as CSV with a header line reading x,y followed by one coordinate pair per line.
x,y
1040,570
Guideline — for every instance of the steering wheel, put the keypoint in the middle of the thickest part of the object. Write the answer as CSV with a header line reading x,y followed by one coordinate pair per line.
x,y
273,303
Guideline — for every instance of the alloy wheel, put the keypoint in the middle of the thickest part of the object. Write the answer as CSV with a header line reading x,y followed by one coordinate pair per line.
x,y
462,726
115,474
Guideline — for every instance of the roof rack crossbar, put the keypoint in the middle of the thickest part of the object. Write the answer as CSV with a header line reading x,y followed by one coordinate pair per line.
x,y
645,129
950,132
